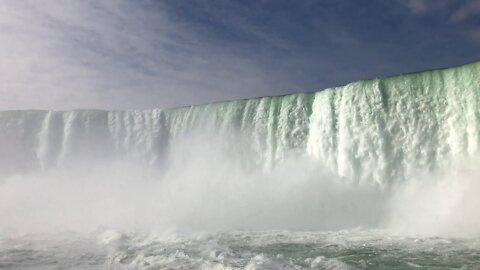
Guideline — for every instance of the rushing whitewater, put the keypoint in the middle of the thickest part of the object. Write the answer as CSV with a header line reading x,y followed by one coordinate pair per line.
x,y
362,167
376,130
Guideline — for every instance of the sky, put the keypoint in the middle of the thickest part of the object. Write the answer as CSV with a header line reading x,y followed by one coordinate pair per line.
x,y
141,54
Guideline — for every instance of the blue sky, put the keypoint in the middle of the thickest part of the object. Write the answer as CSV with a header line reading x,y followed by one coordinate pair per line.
x,y
124,54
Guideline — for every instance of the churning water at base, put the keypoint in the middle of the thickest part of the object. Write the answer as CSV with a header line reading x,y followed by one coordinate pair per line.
x,y
353,249
378,174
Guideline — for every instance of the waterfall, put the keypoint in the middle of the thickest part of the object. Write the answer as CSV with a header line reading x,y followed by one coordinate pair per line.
x,y
377,130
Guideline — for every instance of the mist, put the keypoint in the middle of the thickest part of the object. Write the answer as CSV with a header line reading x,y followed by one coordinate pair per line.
x,y
204,188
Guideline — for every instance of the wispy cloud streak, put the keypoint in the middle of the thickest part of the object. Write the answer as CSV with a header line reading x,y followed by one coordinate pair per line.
x,y
126,54
120,54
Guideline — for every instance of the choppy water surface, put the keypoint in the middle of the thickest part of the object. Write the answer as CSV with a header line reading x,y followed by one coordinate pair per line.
x,y
238,250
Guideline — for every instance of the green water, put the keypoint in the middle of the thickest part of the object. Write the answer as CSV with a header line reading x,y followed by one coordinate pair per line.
x,y
239,250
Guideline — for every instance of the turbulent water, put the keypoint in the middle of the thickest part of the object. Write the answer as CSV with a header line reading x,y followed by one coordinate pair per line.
x,y
372,175
239,250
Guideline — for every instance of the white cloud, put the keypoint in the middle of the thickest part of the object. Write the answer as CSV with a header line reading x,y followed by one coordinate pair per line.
x,y
65,54
114,54
468,9
462,11
474,34
425,6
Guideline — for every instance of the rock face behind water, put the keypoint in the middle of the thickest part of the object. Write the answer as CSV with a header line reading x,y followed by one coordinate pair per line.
x,y
376,130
